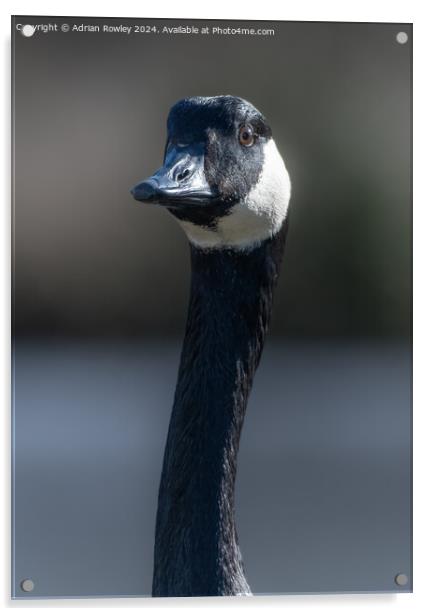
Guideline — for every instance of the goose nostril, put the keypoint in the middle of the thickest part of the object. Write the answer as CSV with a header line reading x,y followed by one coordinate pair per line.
x,y
183,175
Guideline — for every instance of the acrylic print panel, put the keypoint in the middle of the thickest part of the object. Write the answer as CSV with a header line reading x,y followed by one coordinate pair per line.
x,y
312,126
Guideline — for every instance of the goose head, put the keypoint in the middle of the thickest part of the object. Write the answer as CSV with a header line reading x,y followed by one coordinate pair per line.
x,y
223,177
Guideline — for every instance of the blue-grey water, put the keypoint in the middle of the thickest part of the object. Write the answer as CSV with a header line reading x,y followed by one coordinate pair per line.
x,y
323,495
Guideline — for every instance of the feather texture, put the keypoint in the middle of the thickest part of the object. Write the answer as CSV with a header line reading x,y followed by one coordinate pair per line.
x,y
196,546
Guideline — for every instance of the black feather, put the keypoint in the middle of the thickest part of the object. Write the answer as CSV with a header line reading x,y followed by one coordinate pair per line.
x,y
196,547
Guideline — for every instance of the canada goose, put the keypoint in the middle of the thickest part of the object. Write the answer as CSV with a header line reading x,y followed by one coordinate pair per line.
x,y
225,181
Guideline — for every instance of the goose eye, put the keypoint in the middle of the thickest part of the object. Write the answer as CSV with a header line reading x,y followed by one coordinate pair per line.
x,y
246,135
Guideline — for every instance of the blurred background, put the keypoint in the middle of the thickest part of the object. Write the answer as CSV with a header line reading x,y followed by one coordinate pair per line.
x,y
101,291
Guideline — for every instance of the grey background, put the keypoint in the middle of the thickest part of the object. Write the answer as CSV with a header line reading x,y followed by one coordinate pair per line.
x,y
100,296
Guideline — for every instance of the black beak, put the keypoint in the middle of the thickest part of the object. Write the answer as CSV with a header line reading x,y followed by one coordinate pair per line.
x,y
181,180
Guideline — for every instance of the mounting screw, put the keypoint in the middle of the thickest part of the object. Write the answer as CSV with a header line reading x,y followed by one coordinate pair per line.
x,y
401,579
27,585
28,30
402,38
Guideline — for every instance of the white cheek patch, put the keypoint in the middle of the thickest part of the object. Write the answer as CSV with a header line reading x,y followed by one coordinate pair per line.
x,y
256,218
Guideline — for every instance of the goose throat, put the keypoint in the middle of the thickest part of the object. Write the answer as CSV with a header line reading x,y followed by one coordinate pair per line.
x,y
229,311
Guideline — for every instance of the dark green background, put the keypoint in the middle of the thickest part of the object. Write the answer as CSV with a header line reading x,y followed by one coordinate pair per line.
x,y
90,119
